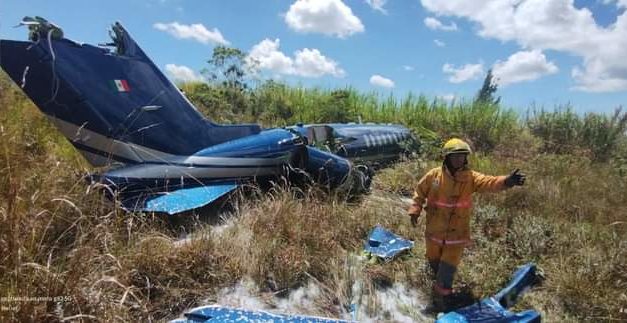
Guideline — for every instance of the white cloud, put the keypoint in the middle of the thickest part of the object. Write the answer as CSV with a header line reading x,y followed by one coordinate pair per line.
x,y
449,97
552,25
619,3
311,63
464,73
329,17
306,62
435,24
378,5
595,78
408,68
268,57
439,43
182,73
523,66
197,32
381,81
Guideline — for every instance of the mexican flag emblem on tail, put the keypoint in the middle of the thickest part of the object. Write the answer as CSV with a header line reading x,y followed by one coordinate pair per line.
x,y
120,85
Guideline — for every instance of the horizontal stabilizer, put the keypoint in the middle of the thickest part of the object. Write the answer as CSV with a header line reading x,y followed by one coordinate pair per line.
x,y
180,200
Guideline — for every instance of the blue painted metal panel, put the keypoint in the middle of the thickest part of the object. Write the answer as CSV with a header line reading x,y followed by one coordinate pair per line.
x,y
216,313
327,168
181,200
353,130
488,311
494,309
525,277
385,244
365,142
268,143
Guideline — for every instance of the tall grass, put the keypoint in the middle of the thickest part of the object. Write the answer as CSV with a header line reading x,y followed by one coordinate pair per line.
x,y
273,103
596,135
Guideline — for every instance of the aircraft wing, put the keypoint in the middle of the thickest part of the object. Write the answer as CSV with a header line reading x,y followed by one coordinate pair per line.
x,y
180,200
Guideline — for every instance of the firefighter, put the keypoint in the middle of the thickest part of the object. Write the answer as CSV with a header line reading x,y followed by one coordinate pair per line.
x,y
447,191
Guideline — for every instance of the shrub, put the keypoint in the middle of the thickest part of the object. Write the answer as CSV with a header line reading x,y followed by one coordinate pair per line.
x,y
595,135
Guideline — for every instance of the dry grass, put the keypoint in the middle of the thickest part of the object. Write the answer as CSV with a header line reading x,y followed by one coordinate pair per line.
x,y
570,219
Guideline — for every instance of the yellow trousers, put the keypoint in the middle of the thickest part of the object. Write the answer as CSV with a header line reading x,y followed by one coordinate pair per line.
x,y
443,260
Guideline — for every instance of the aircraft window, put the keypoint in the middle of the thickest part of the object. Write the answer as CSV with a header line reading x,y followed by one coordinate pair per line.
x,y
311,134
320,134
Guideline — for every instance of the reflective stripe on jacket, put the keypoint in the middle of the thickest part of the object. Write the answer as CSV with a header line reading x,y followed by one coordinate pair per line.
x,y
449,202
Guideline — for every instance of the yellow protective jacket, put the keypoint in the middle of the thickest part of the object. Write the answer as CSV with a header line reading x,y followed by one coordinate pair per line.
x,y
449,202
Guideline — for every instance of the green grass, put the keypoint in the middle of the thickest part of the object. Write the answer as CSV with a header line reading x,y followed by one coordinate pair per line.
x,y
599,137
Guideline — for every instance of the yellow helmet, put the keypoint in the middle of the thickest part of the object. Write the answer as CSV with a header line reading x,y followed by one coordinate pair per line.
x,y
456,146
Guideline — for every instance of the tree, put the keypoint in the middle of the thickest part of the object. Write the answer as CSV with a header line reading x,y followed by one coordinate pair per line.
x,y
487,91
228,72
228,67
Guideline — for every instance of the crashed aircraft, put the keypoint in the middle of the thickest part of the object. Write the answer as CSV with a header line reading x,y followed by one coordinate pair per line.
x,y
161,155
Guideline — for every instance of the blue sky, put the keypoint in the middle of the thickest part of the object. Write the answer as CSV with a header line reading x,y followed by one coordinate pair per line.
x,y
544,53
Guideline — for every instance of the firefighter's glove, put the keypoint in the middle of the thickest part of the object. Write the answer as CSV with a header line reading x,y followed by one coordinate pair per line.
x,y
515,178
414,213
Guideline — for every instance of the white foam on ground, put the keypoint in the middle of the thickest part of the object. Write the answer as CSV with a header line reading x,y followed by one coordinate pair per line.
x,y
243,295
394,304
299,300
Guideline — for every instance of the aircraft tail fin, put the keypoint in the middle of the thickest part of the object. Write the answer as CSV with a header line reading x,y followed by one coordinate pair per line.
x,y
109,102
